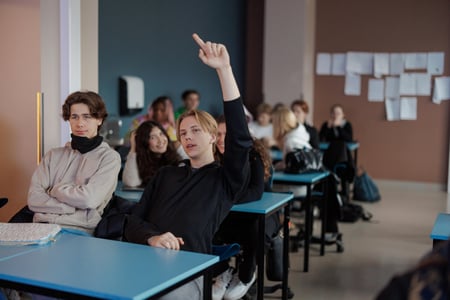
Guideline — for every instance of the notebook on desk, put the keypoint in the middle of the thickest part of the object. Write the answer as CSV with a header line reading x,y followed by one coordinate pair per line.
x,y
27,233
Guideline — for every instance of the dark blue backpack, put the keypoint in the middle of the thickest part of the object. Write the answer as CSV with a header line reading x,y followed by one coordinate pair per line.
x,y
365,189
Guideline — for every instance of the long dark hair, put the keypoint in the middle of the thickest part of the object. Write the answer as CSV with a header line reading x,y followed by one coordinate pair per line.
x,y
149,162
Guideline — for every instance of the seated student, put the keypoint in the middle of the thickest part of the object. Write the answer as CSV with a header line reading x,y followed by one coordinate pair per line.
x,y
338,131
262,128
191,100
291,135
429,279
288,132
337,127
242,229
182,207
150,149
161,111
74,183
301,110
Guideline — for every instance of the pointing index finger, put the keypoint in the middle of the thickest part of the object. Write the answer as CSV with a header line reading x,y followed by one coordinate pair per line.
x,y
198,40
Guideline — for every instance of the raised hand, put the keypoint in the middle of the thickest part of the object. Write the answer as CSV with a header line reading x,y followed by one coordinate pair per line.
x,y
216,56
212,54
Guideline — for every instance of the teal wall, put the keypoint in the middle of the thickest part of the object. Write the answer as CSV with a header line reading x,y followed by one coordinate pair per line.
x,y
151,39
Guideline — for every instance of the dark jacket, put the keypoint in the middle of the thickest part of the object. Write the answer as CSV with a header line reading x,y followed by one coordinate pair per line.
x,y
339,133
313,136
192,203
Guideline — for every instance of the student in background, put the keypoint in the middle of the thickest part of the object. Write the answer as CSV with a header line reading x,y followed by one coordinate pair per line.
x,y
183,206
337,127
262,127
191,100
301,110
150,149
288,132
74,183
242,229
161,111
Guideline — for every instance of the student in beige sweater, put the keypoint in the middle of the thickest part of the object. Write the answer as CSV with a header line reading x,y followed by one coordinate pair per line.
x,y
73,184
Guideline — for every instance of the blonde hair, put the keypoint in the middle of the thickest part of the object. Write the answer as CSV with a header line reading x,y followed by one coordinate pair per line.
x,y
206,121
283,121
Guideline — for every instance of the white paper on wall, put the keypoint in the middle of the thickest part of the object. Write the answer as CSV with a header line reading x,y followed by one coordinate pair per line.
x,y
392,87
396,63
338,63
435,63
392,106
407,84
441,89
352,84
323,66
408,108
416,60
359,63
376,90
423,84
381,64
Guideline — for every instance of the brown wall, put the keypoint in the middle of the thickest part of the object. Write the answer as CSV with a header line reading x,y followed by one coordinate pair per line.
x,y
402,150
19,82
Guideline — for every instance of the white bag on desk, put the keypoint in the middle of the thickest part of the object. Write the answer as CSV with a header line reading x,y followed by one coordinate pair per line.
x,y
27,233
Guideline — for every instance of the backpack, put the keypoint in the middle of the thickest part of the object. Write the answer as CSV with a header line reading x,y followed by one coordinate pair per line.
x,y
350,213
365,189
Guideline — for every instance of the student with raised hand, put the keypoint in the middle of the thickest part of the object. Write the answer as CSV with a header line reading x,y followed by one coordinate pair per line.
x,y
73,184
183,206
150,150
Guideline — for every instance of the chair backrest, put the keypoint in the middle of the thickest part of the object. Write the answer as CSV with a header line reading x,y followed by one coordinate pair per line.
x,y
226,251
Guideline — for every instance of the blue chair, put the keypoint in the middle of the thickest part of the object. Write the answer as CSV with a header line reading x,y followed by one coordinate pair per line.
x,y
226,251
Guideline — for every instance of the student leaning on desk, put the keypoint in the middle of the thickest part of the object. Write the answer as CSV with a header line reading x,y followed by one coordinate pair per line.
x,y
182,207
74,183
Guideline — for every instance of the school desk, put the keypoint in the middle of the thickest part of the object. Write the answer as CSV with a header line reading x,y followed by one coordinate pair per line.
x,y
309,180
441,229
266,206
77,267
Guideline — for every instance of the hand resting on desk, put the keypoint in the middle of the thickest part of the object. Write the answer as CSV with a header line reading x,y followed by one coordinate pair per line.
x,y
166,240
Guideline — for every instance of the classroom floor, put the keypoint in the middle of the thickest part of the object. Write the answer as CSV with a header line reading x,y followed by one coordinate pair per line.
x,y
392,242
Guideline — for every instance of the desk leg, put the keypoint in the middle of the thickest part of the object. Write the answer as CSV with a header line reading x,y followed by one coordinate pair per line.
x,y
308,228
260,259
324,216
207,284
287,218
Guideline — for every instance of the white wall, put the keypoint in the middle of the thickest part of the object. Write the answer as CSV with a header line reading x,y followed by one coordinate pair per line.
x,y
289,51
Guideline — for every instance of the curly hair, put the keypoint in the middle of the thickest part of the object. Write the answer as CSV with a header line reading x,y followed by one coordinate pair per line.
x,y
148,161
93,100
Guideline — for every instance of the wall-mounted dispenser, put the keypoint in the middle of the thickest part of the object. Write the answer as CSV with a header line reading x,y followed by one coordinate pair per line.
x,y
131,95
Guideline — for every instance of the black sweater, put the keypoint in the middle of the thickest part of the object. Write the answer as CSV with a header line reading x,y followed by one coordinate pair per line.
x,y
192,204
339,133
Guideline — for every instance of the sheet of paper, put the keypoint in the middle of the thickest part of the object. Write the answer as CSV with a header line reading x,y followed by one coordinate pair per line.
x,y
416,60
407,84
435,63
323,66
352,84
392,106
376,90
408,108
392,87
359,63
381,64
396,63
338,63
423,84
441,89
